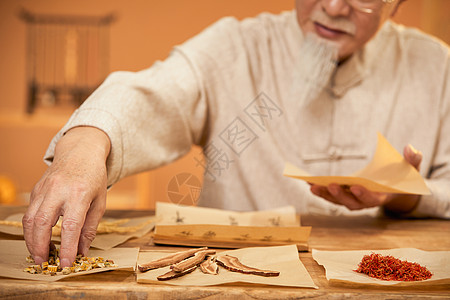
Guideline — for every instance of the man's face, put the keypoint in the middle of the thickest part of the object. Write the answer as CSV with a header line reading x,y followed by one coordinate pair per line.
x,y
341,23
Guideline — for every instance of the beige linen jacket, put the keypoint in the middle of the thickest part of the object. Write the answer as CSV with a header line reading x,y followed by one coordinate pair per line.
x,y
229,90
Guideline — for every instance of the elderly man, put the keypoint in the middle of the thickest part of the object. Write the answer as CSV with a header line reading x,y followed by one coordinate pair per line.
x,y
311,86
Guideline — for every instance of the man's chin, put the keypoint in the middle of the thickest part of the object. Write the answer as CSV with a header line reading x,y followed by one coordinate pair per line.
x,y
340,43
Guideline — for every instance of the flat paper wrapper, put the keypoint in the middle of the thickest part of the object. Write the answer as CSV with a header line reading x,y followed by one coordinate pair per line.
x,y
13,254
281,258
339,265
226,236
388,172
102,241
172,214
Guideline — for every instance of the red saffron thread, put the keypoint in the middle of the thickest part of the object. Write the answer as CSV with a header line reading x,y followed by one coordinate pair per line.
x,y
391,268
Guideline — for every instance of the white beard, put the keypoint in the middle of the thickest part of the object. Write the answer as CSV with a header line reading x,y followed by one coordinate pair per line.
x,y
314,67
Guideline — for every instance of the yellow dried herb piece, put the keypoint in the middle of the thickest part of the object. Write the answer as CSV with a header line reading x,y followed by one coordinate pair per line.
x,y
37,268
81,263
52,268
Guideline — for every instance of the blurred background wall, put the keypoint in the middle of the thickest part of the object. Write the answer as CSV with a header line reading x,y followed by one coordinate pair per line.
x,y
142,31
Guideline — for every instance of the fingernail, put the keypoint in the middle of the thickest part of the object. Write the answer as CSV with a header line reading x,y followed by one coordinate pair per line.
x,y
413,150
333,190
356,192
65,263
38,260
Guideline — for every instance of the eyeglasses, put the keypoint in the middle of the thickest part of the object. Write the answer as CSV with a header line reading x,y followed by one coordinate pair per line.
x,y
367,6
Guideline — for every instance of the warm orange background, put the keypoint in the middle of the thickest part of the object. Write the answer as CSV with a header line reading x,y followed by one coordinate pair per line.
x,y
145,31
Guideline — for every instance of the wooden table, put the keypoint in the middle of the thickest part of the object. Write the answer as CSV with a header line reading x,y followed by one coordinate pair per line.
x,y
328,233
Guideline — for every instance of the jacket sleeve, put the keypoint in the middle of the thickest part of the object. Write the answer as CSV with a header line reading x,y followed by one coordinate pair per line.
x,y
152,117
438,180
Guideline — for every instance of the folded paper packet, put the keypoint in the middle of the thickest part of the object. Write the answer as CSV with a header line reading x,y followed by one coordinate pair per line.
x,y
340,265
14,253
388,172
174,214
281,258
199,226
226,236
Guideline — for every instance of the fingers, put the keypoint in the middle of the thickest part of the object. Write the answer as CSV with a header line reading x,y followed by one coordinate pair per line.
x,y
51,199
38,241
413,156
82,213
344,197
368,198
335,194
322,191
70,233
73,220
28,220
354,198
42,232
78,226
89,229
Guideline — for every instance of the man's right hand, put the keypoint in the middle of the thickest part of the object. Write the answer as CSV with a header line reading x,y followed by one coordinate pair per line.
x,y
74,187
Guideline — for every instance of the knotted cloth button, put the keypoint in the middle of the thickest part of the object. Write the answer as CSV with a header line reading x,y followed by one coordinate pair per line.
x,y
334,153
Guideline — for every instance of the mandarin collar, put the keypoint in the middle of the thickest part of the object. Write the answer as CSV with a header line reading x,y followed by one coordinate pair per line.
x,y
358,66
347,75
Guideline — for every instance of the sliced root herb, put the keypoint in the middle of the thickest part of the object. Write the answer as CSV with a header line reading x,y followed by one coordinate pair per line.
x,y
233,264
391,268
190,262
209,266
185,262
168,260
172,274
